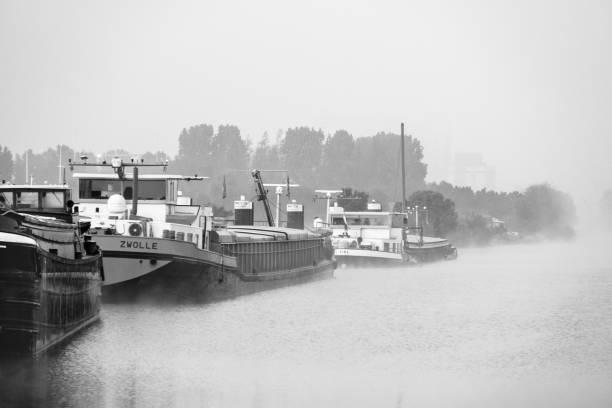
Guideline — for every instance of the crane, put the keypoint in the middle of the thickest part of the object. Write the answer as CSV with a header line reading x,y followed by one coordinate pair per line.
x,y
262,195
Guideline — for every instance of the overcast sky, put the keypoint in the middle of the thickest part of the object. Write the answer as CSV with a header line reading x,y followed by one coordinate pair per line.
x,y
526,83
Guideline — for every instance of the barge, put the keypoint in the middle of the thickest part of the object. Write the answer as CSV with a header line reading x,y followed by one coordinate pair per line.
x,y
50,277
161,246
381,238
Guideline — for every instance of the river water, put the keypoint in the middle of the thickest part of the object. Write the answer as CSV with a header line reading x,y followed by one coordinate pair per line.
x,y
520,325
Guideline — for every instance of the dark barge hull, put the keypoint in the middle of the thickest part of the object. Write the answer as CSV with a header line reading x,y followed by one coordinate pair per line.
x,y
181,281
174,270
426,254
44,305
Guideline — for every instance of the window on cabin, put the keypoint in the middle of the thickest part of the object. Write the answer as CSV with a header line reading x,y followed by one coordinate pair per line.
x,y
337,221
102,189
6,199
380,220
151,190
98,188
397,221
27,199
53,199
353,220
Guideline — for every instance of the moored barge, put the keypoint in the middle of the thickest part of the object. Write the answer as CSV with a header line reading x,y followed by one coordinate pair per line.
x,y
50,279
162,247
367,238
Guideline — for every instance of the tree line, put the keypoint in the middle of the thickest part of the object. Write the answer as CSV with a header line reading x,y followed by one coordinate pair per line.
x,y
311,158
369,166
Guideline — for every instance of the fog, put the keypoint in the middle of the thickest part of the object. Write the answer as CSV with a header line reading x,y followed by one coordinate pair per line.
x,y
524,83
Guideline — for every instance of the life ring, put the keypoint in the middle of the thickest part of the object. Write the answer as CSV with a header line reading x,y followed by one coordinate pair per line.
x,y
353,244
135,230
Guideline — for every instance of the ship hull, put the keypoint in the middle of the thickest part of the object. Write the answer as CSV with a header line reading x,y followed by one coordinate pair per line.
x,y
131,258
152,269
367,258
44,298
432,254
181,281
357,257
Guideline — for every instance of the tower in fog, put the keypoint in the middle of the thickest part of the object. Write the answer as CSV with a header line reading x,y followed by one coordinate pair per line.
x,y
470,170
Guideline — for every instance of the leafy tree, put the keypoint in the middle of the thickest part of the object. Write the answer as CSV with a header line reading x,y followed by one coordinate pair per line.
x,y
230,158
337,162
266,156
195,150
544,209
377,164
441,211
300,152
229,150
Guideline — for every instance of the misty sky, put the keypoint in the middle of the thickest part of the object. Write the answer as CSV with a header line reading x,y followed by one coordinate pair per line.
x,y
526,83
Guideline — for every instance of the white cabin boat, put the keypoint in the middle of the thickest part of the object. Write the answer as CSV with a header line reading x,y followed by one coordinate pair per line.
x,y
378,237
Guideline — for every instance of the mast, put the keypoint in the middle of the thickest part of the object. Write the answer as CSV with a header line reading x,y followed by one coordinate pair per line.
x,y
403,172
134,211
59,166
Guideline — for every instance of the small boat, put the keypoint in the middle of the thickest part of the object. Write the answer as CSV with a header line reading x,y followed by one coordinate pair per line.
x,y
377,237
163,246
50,276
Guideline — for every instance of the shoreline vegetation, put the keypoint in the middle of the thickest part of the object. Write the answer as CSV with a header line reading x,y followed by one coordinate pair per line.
x,y
316,160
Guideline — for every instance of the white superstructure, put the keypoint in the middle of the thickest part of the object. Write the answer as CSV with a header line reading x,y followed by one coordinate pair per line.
x,y
158,197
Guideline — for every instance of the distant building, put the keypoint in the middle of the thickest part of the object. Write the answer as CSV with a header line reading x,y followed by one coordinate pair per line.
x,y
470,170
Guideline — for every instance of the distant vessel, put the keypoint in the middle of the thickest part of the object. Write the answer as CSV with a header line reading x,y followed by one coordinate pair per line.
x,y
163,246
50,278
375,237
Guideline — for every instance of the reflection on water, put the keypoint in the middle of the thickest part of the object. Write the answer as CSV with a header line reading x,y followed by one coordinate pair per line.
x,y
509,326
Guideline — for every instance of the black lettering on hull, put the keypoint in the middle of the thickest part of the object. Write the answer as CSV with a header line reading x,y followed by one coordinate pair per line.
x,y
139,245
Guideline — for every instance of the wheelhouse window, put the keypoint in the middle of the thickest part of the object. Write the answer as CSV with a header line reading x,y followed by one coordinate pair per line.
x,y
151,190
379,220
27,199
353,220
102,189
53,200
337,221
98,188
6,199
397,220
363,220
